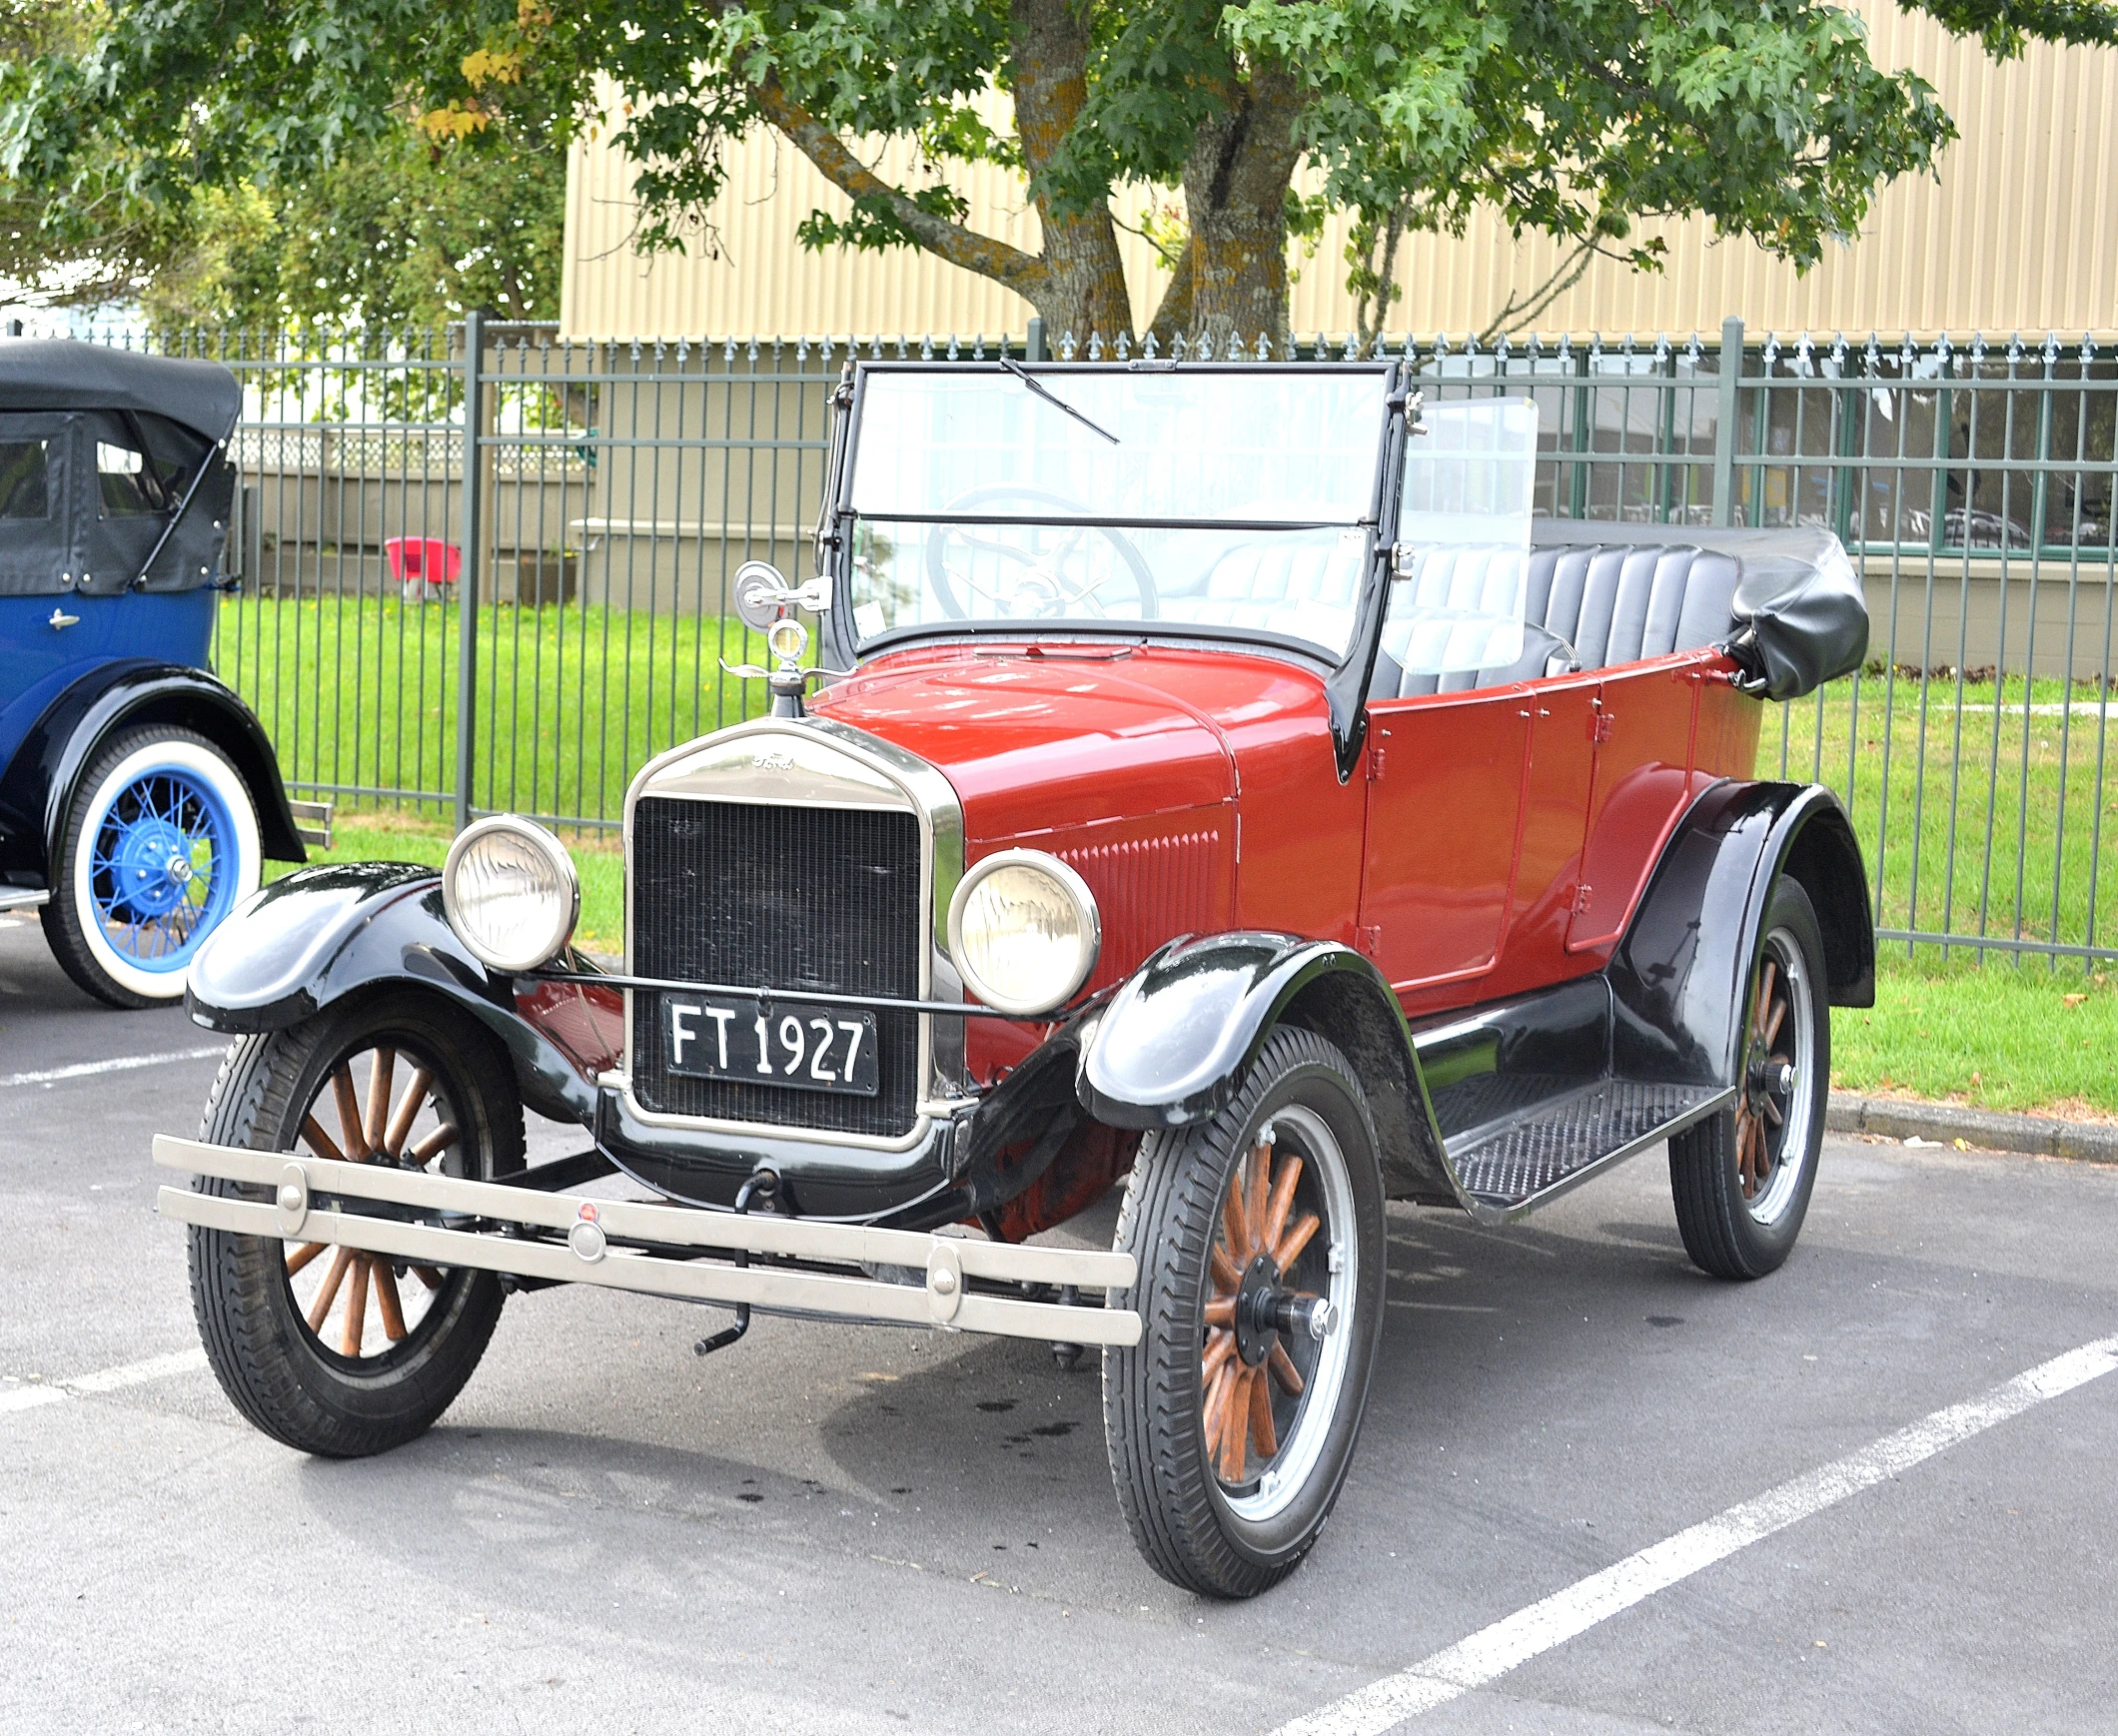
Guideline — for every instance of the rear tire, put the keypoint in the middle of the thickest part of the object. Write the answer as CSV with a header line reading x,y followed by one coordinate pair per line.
x,y
1742,1179
1229,1439
390,1350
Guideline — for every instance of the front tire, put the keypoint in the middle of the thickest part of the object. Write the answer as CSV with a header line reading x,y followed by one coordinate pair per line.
x,y
1742,1179
1260,1236
331,1351
159,844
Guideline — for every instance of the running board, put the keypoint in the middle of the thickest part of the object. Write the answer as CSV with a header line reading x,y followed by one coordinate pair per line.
x,y
1510,1169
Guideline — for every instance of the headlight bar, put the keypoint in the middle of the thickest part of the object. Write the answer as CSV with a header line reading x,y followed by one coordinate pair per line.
x,y
811,997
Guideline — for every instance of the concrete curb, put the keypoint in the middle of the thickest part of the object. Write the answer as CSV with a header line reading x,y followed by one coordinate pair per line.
x,y
1943,1123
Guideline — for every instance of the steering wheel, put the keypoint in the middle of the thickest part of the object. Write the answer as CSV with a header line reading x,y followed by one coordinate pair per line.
x,y
1036,588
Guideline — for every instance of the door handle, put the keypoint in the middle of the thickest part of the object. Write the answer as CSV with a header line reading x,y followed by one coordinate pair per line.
x,y
59,618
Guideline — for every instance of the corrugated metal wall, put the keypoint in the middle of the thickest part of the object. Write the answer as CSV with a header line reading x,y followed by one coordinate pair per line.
x,y
2018,233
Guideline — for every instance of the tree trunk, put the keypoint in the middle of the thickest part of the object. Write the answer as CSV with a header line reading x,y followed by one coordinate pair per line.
x,y
1235,194
1082,287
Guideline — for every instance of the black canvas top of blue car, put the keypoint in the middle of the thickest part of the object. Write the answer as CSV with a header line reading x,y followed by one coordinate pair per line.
x,y
62,373
112,468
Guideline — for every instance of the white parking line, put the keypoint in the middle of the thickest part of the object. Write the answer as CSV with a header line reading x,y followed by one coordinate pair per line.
x,y
1494,1651
103,1380
121,1063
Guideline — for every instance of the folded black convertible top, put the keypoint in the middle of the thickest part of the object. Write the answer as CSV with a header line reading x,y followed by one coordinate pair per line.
x,y
1800,618
65,374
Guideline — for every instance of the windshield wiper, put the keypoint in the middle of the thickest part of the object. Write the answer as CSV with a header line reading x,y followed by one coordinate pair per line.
x,y
1050,396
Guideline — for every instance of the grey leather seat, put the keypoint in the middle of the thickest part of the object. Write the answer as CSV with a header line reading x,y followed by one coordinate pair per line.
x,y
1596,603
1306,587
1589,605
1618,603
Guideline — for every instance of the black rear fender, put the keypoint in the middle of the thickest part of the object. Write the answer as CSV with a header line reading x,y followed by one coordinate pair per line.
x,y
39,784
341,929
1825,856
1678,978
1179,1036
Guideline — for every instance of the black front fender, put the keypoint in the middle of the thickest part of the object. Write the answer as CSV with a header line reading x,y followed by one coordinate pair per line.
x,y
323,932
1178,1037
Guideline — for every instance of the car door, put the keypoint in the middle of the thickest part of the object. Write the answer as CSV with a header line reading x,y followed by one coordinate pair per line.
x,y
1445,813
38,551
1557,788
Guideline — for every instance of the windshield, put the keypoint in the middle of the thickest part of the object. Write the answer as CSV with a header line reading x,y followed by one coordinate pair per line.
x,y
1233,500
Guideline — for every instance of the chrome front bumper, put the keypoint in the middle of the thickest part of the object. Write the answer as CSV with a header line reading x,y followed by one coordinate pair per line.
x,y
566,1238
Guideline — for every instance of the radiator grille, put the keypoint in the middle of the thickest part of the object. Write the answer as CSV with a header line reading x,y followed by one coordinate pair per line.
x,y
823,899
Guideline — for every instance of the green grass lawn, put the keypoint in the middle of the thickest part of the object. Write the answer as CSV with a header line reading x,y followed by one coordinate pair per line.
x,y
1976,816
1995,1036
359,695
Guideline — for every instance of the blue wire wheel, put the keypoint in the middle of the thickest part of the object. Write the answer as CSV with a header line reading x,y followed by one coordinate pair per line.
x,y
162,867
164,845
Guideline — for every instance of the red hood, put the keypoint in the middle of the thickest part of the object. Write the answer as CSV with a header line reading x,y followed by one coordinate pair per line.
x,y
1051,739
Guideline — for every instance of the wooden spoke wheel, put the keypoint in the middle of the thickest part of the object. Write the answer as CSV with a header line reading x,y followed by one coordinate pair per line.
x,y
1741,1179
1259,1240
1268,1319
332,1349
380,1105
1773,1109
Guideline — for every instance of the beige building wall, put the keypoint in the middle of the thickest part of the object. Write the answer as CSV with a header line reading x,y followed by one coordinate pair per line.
x,y
2018,232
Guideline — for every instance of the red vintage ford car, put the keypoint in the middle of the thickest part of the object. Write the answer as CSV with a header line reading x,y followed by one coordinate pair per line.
x,y
1221,788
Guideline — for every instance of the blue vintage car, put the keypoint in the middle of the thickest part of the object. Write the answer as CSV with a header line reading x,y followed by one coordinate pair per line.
x,y
139,796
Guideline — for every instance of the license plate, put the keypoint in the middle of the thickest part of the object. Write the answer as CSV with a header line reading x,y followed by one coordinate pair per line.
x,y
807,1047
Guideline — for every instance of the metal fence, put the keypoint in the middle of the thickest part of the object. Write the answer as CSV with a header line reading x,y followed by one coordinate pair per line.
x,y
614,487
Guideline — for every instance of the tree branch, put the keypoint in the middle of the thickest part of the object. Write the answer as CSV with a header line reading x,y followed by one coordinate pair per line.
x,y
1019,271
1379,287
1174,313
1565,276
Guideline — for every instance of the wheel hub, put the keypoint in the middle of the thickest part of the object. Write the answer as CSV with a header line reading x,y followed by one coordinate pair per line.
x,y
1257,1311
1768,1078
153,866
1265,1308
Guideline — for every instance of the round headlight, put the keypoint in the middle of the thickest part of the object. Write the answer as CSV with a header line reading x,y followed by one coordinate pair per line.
x,y
1024,931
510,892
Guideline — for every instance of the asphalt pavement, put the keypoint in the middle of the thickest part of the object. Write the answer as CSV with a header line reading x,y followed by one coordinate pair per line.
x,y
862,1530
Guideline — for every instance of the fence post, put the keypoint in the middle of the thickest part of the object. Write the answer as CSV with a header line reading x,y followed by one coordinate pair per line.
x,y
1033,345
1732,346
468,574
